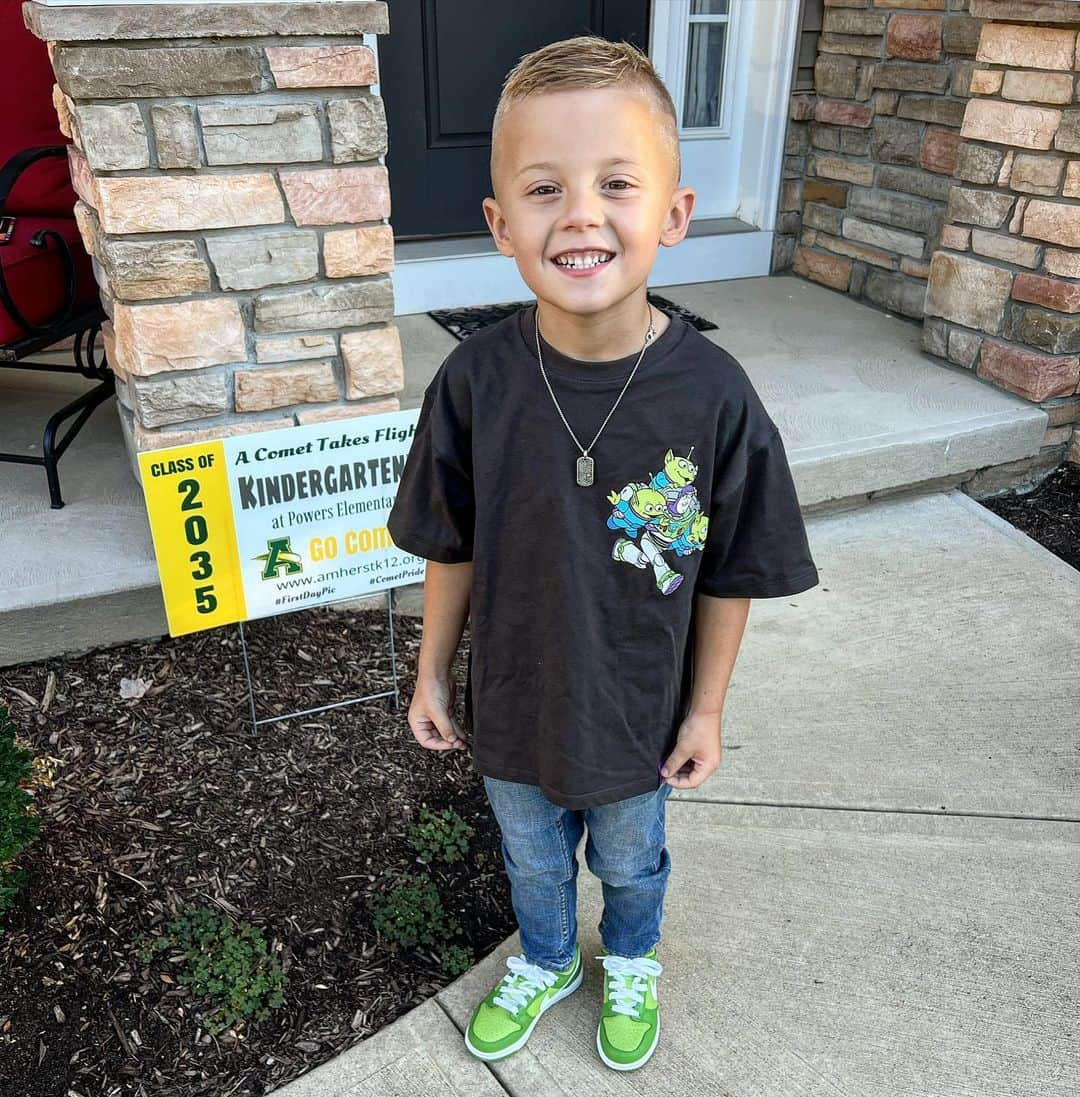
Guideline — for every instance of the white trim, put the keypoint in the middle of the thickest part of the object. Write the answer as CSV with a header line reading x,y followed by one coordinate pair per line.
x,y
775,39
487,277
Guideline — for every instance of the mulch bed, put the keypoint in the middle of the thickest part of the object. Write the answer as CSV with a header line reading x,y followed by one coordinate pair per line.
x,y
171,798
1050,514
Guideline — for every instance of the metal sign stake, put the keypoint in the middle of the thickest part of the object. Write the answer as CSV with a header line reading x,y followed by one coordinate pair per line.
x,y
256,723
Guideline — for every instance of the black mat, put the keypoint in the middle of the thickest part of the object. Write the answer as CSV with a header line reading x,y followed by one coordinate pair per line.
x,y
464,322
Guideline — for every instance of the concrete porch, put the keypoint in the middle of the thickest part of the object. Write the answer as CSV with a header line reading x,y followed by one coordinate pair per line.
x,y
862,409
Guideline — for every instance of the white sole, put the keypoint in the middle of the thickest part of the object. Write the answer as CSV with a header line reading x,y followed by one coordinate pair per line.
x,y
492,1056
630,1066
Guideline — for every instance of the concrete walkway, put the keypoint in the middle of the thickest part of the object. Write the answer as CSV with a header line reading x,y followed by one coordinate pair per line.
x,y
878,893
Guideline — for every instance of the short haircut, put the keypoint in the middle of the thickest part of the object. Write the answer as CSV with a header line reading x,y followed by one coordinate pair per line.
x,y
589,61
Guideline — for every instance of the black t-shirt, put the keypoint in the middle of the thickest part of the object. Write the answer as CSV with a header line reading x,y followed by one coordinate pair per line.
x,y
581,626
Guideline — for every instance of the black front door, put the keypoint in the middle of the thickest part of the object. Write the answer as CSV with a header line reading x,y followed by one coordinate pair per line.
x,y
441,68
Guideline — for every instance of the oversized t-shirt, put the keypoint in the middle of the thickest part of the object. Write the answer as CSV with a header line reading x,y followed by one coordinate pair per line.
x,y
582,602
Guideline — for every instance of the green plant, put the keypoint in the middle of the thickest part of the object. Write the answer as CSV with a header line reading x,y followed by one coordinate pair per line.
x,y
412,913
443,835
456,959
225,961
19,826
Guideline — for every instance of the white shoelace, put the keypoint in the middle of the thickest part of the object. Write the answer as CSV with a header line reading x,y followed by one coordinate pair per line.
x,y
521,982
627,998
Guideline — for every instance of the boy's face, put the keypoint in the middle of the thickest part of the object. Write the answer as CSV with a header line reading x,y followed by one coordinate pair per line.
x,y
607,183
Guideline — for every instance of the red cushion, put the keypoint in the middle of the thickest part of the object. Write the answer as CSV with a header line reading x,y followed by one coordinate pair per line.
x,y
26,79
35,276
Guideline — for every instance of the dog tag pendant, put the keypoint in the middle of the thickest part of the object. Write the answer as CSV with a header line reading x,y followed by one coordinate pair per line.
x,y
584,471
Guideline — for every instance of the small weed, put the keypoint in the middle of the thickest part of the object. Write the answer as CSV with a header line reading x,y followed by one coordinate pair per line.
x,y
412,913
225,961
442,835
456,959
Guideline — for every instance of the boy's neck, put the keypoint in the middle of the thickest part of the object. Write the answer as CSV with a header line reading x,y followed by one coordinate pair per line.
x,y
600,337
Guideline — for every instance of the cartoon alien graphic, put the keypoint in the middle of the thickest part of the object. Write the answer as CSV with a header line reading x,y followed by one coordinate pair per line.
x,y
662,515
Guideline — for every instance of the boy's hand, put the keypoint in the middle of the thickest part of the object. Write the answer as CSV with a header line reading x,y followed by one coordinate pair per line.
x,y
697,751
431,715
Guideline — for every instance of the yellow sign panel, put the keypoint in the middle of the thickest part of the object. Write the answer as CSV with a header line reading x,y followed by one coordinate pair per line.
x,y
191,519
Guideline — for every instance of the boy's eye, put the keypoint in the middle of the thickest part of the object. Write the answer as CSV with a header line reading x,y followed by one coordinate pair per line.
x,y
619,184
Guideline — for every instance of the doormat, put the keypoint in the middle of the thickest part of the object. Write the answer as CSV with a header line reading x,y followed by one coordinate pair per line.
x,y
464,322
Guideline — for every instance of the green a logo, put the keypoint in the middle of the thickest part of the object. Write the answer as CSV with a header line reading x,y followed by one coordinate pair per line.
x,y
278,555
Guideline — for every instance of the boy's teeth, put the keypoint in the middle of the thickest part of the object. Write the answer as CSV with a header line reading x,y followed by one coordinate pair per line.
x,y
589,260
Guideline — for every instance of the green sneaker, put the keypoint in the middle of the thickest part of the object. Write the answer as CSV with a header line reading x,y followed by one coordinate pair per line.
x,y
629,1028
505,1018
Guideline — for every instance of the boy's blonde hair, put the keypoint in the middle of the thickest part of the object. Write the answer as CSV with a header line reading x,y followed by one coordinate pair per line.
x,y
589,61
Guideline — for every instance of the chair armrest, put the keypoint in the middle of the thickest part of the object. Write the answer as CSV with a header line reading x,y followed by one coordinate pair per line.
x,y
18,163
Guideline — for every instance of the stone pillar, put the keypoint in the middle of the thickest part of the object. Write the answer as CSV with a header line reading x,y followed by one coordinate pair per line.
x,y
1004,288
870,154
226,159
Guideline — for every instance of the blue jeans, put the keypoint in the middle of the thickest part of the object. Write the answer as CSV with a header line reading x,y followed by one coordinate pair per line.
x,y
625,849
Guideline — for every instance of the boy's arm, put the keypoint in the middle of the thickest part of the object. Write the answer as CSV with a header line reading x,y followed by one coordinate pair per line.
x,y
718,632
447,588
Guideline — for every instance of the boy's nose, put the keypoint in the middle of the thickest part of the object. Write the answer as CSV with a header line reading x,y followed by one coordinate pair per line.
x,y
583,208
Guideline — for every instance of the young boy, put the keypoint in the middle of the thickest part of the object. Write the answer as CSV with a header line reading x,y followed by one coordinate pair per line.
x,y
598,487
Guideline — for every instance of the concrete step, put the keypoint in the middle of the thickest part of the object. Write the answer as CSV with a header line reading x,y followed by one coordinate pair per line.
x,y
860,407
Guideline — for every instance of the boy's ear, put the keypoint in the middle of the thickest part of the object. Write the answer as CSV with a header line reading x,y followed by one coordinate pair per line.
x,y
497,227
678,218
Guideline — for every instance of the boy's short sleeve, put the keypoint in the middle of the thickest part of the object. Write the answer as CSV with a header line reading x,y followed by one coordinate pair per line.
x,y
434,511
756,544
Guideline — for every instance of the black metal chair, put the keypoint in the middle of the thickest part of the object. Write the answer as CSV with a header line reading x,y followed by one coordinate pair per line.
x,y
48,293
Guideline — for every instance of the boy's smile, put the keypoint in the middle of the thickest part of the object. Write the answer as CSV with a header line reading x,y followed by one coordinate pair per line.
x,y
585,189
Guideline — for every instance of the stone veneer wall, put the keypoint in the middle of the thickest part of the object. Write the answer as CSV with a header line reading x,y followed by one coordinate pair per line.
x,y
1004,287
226,162
871,151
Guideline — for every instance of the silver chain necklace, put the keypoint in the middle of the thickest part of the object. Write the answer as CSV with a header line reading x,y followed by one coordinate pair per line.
x,y
585,471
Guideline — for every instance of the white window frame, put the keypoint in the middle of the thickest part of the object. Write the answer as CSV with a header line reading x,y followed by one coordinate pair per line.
x,y
763,66
672,20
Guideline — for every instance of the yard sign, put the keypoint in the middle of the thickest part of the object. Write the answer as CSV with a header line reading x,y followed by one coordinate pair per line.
x,y
261,524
